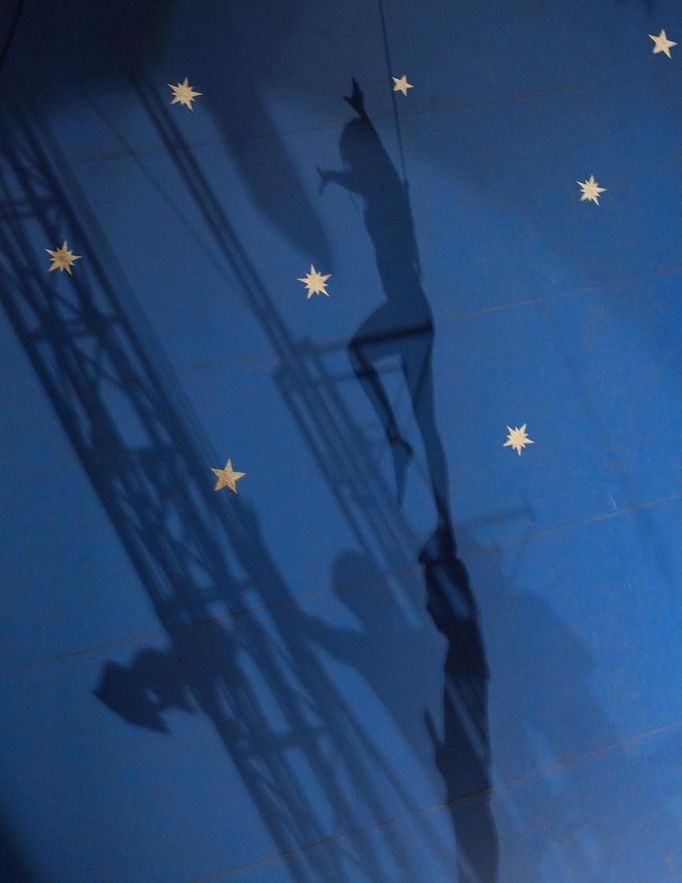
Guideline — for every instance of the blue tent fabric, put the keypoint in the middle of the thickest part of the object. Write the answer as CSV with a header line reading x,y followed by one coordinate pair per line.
x,y
402,651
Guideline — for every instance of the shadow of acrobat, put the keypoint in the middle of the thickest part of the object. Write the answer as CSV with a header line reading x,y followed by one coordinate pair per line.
x,y
403,326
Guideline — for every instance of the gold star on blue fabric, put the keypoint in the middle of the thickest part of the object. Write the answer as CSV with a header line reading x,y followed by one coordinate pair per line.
x,y
315,282
227,477
518,439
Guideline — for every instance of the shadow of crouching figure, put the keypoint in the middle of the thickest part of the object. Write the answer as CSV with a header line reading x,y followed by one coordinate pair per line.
x,y
403,326
463,753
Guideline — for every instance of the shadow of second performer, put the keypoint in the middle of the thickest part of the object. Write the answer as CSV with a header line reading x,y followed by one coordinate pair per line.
x,y
463,753
403,326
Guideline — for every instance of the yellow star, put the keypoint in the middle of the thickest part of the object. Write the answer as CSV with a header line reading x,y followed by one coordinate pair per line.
x,y
400,84
590,190
227,477
183,94
662,44
518,439
315,282
62,258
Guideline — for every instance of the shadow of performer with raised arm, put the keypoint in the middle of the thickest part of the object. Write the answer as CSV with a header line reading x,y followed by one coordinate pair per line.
x,y
404,325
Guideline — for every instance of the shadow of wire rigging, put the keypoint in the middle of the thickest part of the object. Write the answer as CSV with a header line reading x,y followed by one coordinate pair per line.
x,y
403,326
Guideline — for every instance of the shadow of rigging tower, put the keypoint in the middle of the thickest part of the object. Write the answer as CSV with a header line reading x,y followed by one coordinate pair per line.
x,y
201,557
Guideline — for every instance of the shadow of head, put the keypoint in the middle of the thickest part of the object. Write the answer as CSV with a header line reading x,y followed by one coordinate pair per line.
x,y
141,691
